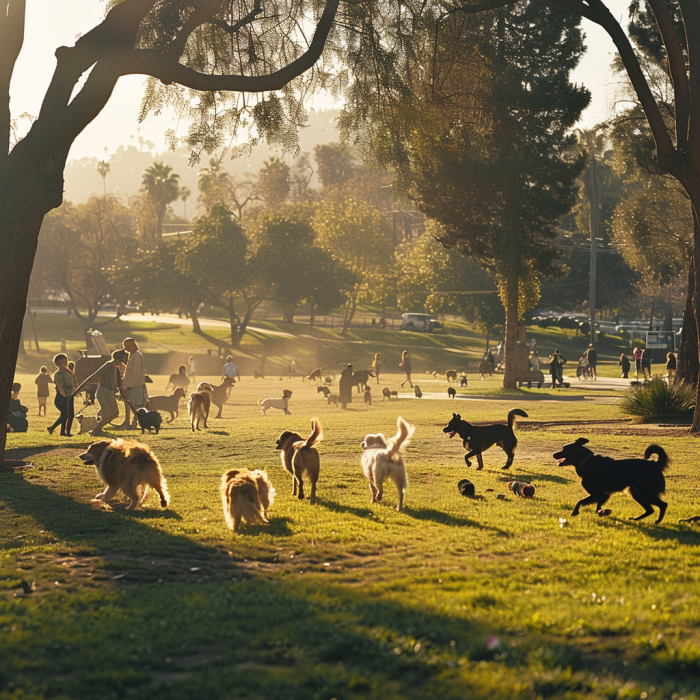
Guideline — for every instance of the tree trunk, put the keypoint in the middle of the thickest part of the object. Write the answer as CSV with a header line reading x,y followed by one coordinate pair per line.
x,y
350,310
288,310
511,332
197,330
688,361
312,315
20,222
695,428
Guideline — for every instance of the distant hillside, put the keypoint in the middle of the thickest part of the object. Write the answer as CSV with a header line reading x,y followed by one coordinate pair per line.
x,y
129,162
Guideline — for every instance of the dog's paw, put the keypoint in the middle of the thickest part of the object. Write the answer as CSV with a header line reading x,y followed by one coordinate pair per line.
x,y
574,513
603,512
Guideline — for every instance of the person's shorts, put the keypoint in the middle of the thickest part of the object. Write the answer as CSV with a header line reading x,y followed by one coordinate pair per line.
x,y
138,395
108,401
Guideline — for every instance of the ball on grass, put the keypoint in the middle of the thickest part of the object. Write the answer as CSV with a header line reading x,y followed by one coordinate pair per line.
x,y
466,488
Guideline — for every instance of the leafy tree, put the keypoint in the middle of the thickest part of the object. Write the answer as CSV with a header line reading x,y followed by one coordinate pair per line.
x,y
478,134
185,193
335,164
442,282
217,186
274,182
227,274
200,57
162,187
353,232
79,248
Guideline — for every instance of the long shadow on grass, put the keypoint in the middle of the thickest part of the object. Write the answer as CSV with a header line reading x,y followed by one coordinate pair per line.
x,y
340,508
438,516
664,531
262,637
534,476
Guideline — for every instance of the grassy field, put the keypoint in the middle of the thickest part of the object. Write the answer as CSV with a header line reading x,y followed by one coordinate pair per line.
x,y
453,598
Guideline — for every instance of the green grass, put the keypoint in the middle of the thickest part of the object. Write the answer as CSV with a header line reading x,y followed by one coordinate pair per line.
x,y
454,598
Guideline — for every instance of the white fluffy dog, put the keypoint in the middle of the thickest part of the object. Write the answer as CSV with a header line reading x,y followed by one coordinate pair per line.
x,y
282,404
382,460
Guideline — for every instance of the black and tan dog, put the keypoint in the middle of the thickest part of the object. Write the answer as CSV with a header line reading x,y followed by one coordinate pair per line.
x,y
603,476
478,438
301,457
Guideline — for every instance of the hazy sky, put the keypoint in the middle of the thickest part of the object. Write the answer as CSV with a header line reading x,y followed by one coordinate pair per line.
x,y
51,24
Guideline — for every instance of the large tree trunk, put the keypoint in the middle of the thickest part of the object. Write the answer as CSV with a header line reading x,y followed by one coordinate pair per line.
x,y
688,348
695,428
350,310
511,332
21,217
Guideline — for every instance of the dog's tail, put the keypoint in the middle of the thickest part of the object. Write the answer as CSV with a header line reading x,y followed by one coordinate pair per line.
x,y
316,434
247,501
401,438
661,456
515,412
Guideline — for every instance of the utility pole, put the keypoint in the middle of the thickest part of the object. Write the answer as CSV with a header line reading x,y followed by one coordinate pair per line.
x,y
593,192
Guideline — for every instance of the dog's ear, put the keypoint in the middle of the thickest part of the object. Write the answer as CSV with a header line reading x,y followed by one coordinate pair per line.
x,y
581,441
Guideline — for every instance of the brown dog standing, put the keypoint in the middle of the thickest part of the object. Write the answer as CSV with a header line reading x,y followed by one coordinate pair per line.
x,y
301,457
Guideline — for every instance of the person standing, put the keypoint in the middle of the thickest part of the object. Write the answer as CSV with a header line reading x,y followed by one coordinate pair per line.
x,y
192,370
42,388
535,361
646,363
345,386
407,365
134,382
376,365
556,368
624,366
110,382
64,381
592,357
230,370
638,361
671,367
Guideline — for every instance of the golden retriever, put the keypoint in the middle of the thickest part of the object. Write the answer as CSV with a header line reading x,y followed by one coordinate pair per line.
x,y
199,405
301,457
382,460
246,495
129,466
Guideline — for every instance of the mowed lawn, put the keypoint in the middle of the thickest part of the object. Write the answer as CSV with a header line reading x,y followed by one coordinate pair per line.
x,y
453,598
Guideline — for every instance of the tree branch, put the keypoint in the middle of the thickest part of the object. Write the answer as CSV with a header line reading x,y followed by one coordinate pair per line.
x,y
248,19
679,76
12,13
691,19
167,70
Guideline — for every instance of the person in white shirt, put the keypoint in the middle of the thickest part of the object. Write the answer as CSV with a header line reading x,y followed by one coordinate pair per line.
x,y
192,370
134,381
230,370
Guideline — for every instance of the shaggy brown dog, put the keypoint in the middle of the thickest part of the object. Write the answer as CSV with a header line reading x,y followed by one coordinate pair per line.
x,y
246,494
179,380
168,404
199,405
129,466
220,394
485,368
360,378
301,457
478,438
451,375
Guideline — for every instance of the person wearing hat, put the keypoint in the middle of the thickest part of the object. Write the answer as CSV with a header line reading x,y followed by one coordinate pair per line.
x,y
345,386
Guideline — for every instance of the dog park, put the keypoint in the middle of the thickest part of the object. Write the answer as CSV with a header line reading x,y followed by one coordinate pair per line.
x,y
493,596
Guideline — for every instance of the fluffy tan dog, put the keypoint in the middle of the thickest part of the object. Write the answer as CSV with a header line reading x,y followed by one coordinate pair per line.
x,y
382,460
129,466
451,375
246,494
199,405
301,457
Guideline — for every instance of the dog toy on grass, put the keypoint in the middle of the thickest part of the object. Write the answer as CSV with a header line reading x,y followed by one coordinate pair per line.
x,y
524,489
466,488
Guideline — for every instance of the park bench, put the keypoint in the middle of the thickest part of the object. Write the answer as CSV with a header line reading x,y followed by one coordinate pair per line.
x,y
530,377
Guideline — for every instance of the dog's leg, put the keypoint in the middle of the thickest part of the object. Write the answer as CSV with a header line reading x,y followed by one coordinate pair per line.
x,y
312,497
101,496
400,506
144,495
373,492
467,457
480,460
584,502
236,522
648,510
509,461
300,490
661,505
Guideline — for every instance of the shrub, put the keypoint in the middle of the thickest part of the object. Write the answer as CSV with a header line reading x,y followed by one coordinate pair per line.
x,y
656,400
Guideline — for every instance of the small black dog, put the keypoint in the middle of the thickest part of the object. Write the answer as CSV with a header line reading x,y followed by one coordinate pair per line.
x,y
418,392
148,419
603,476
478,438
451,391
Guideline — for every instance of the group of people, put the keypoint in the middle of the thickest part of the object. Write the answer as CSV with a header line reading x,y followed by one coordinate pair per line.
x,y
642,364
588,364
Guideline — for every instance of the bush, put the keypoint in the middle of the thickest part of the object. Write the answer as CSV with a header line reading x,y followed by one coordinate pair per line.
x,y
656,400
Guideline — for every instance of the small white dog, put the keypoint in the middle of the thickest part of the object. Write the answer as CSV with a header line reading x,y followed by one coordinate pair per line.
x,y
382,460
87,423
282,404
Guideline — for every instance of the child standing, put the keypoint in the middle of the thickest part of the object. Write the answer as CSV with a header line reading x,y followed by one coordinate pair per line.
x,y
64,381
42,388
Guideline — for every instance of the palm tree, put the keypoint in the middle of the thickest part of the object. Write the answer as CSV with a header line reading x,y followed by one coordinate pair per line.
x,y
103,168
161,186
185,193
